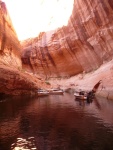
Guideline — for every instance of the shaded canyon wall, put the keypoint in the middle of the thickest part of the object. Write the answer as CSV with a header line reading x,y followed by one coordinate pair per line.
x,y
83,45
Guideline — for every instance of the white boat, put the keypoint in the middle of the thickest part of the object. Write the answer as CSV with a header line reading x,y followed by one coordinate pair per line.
x,y
42,93
55,91
78,96
84,95
88,95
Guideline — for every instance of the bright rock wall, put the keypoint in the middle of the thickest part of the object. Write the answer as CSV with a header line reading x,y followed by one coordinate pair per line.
x,y
9,43
81,46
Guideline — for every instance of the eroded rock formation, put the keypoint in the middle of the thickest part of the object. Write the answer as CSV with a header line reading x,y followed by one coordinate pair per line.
x,y
9,44
83,45
15,82
13,79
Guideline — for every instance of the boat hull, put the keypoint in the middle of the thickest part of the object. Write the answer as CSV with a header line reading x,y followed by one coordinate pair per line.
x,y
52,91
80,97
56,93
42,93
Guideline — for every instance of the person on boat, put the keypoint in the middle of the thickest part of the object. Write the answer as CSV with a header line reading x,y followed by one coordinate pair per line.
x,y
81,92
90,97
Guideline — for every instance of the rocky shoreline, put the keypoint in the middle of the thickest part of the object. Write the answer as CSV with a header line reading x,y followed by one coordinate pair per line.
x,y
88,80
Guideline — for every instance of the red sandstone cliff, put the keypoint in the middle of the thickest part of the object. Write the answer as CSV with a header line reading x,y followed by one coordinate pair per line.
x,y
9,44
15,82
13,79
83,45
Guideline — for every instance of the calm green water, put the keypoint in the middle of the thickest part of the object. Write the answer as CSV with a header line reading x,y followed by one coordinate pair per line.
x,y
56,122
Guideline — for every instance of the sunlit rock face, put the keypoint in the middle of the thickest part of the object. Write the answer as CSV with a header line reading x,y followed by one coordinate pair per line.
x,y
13,79
50,56
9,44
83,45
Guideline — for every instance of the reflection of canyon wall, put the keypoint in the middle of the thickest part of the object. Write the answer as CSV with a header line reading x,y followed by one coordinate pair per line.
x,y
9,44
83,45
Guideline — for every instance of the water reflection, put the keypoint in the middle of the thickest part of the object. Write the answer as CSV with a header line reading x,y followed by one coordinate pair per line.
x,y
24,144
56,123
83,102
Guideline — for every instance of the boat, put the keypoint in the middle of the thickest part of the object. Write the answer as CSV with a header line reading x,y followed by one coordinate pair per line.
x,y
55,91
78,96
88,95
42,93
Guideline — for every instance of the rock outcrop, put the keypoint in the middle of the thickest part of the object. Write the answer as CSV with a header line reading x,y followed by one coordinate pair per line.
x,y
15,82
13,79
9,44
81,46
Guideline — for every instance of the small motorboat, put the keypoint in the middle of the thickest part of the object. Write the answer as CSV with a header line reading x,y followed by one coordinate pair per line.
x,y
42,93
84,95
78,96
55,91
88,95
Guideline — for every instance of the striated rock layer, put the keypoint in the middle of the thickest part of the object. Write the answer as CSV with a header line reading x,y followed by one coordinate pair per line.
x,y
13,79
15,82
81,46
9,43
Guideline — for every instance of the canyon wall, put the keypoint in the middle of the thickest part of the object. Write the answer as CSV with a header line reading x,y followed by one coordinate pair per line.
x,y
82,46
9,44
13,79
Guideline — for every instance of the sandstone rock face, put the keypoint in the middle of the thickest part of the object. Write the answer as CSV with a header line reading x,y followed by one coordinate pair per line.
x,y
15,82
13,79
9,43
83,45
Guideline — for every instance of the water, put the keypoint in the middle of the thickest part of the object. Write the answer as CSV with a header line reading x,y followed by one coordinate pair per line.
x,y
56,122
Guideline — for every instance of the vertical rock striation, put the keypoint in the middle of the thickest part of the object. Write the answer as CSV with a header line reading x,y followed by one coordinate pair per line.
x,y
13,79
9,43
83,45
